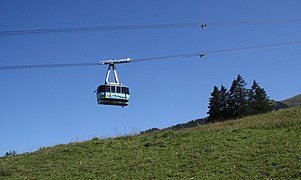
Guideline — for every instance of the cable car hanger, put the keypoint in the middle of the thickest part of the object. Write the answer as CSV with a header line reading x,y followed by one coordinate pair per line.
x,y
116,61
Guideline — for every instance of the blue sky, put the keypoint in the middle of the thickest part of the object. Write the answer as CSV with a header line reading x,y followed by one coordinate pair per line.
x,y
44,107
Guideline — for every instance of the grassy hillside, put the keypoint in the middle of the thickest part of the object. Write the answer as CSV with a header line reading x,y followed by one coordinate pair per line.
x,y
262,146
293,101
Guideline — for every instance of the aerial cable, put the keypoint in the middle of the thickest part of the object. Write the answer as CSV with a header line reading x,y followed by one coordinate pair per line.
x,y
232,50
203,25
92,29
167,57
36,66
267,46
127,60
255,22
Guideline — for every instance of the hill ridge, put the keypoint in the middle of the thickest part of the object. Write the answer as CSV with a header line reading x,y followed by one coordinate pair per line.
x,y
293,101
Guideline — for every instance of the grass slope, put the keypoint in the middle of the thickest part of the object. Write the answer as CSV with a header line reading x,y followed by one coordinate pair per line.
x,y
293,101
262,146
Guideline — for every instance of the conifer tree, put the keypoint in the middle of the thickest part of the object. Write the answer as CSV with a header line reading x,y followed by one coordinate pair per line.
x,y
224,106
238,96
214,104
218,105
238,101
260,101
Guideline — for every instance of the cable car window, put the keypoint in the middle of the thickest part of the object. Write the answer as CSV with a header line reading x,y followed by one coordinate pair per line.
x,y
107,88
112,89
101,88
125,90
118,89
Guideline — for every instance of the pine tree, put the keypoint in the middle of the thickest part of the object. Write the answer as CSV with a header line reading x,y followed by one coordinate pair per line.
x,y
260,101
223,104
238,98
218,105
238,101
252,98
214,110
10,153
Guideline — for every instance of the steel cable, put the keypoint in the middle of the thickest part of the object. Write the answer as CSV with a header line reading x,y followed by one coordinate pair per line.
x,y
202,54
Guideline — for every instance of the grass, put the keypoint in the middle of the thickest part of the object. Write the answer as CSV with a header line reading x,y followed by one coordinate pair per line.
x,y
262,146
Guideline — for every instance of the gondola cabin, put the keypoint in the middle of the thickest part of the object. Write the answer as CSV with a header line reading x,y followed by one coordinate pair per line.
x,y
113,95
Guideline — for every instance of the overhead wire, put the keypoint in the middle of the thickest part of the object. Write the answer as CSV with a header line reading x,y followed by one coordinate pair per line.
x,y
231,50
258,47
201,54
37,66
92,29
167,57
255,22
143,26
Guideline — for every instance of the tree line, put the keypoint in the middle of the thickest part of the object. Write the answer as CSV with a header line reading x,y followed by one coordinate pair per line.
x,y
234,103
238,101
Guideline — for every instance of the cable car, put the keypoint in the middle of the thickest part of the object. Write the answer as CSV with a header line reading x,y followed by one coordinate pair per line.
x,y
113,93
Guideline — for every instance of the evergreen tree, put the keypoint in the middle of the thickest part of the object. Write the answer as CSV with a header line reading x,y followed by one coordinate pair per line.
x,y
238,98
252,99
238,101
10,153
218,105
224,106
214,101
260,101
